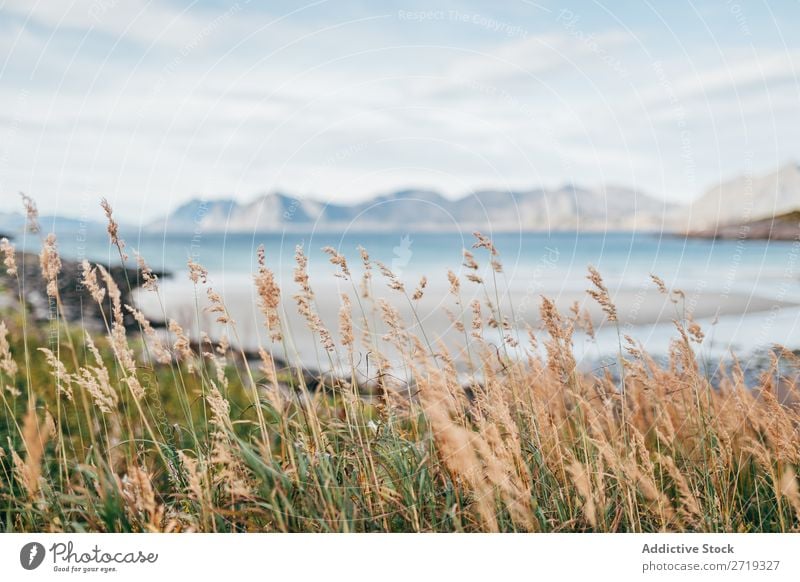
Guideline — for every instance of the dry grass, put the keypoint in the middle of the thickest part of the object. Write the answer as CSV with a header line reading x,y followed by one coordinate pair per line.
x,y
125,432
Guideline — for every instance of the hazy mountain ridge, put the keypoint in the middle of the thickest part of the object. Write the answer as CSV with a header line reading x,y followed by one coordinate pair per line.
x,y
746,199
569,207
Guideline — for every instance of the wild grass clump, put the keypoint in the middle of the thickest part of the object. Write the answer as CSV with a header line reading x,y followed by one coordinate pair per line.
x,y
148,431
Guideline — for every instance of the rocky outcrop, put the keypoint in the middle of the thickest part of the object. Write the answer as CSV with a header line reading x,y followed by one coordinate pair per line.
x,y
77,303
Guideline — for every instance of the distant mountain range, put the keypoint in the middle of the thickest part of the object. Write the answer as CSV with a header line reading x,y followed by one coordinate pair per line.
x,y
743,200
567,208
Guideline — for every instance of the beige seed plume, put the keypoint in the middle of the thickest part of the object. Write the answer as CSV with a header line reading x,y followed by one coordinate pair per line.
x,y
305,301
102,399
96,379
659,282
690,505
269,296
137,489
301,271
420,290
160,352
194,477
455,284
365,258
267,367
59,371
391,317
471,264
182,345
477,320
9,257
305,309
600,294
365,278
790,490
394,283
220,409
50,263
469,261
149,279
113,228
118,337
7,363
31,212
338,260
223,345
217,306
484,242
695,331
346,322
34,437
197,273
91,283
582,481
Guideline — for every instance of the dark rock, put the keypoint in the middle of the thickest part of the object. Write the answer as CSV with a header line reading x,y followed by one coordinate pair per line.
x,y
77,304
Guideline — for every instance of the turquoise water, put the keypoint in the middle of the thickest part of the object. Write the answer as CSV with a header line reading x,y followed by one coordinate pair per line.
x,y
551,261
749,274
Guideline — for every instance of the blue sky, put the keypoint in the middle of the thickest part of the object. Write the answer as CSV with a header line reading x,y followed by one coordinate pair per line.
x,y
151,103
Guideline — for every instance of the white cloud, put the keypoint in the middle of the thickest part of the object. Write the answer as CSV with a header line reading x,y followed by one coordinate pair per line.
x,y
225,103
139,20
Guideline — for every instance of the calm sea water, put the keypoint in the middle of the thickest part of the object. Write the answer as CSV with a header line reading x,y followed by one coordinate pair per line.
x,y
542,263
552,260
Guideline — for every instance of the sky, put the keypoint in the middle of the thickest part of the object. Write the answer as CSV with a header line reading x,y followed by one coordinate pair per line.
x,y
152,103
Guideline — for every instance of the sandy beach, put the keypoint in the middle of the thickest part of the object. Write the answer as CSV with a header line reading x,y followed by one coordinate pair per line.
x,y
644,313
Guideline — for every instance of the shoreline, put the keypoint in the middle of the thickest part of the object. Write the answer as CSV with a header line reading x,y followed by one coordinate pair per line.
x,y
643,313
